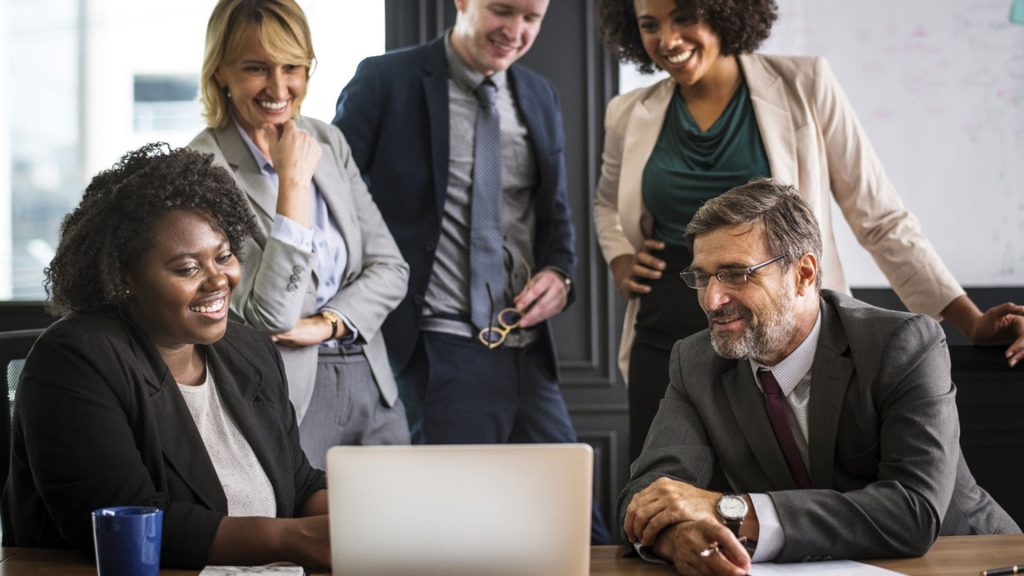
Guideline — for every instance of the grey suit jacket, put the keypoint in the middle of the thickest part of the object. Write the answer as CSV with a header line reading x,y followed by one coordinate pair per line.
x,y
279,281
887,473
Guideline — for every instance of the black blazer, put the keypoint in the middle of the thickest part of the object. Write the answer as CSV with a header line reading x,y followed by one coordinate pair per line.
x,y
394,114
99,421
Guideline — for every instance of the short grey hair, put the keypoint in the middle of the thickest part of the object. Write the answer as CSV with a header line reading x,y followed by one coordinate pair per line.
x,y
790,228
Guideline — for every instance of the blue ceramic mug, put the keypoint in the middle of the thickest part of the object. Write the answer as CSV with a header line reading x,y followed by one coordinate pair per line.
x,y
127,540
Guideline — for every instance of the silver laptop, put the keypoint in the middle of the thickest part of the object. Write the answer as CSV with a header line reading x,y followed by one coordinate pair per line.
x,y
481,510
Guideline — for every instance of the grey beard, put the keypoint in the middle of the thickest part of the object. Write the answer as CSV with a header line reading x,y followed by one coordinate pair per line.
x,y
761,340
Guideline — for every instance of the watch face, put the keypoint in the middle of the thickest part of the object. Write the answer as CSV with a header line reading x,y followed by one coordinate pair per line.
x,y
732,507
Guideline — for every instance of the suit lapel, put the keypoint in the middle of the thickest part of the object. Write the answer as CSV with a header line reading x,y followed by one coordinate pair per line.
x,y
239,385
435,92
261,193
179,437
748,405
645,122
331,183
831,373
771,107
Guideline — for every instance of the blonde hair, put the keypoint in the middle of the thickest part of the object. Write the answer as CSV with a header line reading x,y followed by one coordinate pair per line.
x,y
283,33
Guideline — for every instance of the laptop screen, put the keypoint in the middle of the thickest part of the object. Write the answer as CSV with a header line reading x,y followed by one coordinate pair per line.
x,y
460,510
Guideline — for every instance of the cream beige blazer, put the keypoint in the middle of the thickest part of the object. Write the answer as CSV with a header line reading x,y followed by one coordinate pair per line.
x,y
814,142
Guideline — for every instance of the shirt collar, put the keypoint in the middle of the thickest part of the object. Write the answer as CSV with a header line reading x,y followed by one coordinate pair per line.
x,y
265,166
791,369
464,75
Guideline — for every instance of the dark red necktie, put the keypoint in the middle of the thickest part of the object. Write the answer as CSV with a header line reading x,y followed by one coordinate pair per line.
x,y
775,405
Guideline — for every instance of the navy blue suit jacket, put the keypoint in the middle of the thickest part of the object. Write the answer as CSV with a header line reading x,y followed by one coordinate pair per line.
x,y
394,114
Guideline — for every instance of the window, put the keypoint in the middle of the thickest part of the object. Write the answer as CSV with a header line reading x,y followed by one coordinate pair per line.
x,y
83,82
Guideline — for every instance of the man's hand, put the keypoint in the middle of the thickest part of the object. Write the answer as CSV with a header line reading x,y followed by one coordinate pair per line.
x,y
703,547
665,502
544,296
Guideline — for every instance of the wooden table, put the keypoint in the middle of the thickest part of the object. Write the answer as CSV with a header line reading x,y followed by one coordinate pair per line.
x,y
951,556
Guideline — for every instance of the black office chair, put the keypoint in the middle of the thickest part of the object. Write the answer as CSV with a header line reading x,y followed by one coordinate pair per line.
x,y
14,347
990,400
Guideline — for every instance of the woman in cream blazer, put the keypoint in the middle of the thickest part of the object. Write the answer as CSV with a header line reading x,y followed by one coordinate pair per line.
x,y
813,141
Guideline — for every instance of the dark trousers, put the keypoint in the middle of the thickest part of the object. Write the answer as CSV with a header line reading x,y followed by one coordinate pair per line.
x,y
669,313
456,391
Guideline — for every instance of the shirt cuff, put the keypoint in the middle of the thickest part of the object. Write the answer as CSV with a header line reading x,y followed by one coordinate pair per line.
x,y
770,538
647,555
352,334
286,230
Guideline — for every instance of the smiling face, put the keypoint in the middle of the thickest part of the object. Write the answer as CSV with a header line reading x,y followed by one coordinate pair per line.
x,y
262,90
181,287
677,40
765,318
490,35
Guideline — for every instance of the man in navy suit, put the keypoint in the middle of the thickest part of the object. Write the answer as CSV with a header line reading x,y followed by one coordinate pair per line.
x,y
410,117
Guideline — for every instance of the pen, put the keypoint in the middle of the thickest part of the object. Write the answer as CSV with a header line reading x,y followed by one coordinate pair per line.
x,y
713,549
714,546
1003,571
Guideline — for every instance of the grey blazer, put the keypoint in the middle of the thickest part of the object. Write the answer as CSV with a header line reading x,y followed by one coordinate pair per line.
x,y
883,438
279,281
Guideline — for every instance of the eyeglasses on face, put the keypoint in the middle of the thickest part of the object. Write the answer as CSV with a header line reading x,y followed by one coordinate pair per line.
x,y
729,277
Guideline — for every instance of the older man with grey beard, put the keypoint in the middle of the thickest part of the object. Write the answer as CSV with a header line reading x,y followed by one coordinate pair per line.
x,y
834,422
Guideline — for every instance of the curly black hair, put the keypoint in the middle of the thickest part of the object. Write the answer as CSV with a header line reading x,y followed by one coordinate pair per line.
x,y
741,26
112,227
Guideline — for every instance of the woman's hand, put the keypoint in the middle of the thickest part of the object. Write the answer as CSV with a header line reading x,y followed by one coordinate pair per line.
x,y
309,331
308,541
1002,324
295,156
629,271
251,541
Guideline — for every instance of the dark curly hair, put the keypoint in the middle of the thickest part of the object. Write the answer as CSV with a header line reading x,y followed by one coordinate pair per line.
x,y
112,227
741,26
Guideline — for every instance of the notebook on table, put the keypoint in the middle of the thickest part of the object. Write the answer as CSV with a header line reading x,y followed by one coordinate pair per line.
x,y
520,510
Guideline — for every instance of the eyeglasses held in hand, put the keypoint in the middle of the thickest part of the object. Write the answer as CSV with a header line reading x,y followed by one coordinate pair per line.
x,y
729,277
508,320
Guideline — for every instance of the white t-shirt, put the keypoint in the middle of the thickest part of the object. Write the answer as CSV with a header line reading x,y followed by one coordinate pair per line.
x,y
248,490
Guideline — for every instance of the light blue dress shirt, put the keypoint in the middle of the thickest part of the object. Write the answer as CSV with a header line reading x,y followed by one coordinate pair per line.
x,y
324,238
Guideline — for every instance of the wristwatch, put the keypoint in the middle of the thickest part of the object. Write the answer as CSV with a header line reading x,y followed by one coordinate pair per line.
x,y
733,509
333,318
567,281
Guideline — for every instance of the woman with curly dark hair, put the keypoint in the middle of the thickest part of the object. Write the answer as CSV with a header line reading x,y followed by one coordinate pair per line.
x,y
723,116
145,394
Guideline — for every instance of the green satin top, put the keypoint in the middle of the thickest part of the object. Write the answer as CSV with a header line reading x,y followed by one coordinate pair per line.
x,y
689,167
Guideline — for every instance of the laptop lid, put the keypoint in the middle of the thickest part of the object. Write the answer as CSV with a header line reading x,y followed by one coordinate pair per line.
x,y
460,510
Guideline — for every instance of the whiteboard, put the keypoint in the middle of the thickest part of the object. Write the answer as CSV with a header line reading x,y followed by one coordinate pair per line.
x,y
939,88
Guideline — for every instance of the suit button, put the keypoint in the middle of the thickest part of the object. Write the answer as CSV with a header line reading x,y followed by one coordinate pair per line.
x,y
417,299
431,246
294,278
293,287
298,270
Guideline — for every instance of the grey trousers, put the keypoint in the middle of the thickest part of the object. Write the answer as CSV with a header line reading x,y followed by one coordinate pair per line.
x,y
347,408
